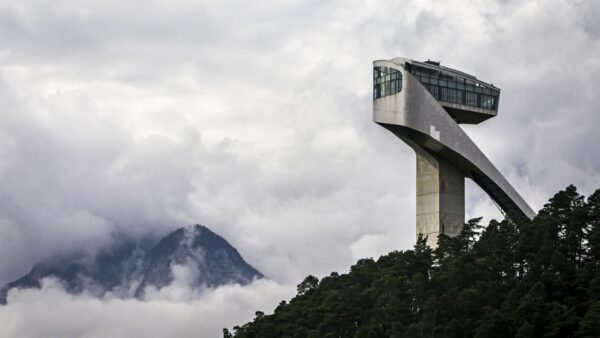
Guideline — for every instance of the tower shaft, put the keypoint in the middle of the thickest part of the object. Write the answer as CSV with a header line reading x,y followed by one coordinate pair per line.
x,y
440,197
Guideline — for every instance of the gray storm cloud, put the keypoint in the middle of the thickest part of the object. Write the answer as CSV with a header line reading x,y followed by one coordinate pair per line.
x,y
255,120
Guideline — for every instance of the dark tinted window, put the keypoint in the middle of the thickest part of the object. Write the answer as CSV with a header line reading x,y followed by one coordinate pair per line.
x,y
386,81
456,89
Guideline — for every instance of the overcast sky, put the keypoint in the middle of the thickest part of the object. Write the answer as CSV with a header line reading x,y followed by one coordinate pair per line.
x,y
255,119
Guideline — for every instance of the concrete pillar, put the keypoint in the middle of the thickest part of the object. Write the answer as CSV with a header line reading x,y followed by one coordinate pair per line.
x,y
440,197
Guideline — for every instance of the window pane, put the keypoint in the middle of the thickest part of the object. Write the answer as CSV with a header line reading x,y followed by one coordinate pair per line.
x,y
386,81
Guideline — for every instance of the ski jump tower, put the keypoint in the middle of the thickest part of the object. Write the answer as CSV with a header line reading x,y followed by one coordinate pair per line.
x,y
422,103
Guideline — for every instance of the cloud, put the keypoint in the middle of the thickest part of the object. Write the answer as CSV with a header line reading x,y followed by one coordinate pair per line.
x,y
174,311
256,121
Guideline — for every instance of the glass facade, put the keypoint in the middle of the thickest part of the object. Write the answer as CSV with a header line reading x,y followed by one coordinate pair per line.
x,y
386,81
455,88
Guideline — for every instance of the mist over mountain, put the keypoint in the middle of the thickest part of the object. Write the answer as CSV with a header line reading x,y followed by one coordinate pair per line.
x,y
130,266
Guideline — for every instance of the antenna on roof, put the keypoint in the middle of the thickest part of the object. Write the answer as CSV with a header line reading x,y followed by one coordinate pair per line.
x,y
435,63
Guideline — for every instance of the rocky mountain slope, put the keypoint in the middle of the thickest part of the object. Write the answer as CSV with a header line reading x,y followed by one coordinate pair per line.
x,y
130,266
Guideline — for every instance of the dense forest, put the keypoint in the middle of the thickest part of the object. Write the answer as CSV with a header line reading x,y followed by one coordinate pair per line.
x,y
514,278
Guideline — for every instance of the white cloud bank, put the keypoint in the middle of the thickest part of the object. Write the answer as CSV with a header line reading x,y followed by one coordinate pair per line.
x,y
173,311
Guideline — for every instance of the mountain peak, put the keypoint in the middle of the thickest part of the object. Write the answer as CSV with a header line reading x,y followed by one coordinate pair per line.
x,y
128,267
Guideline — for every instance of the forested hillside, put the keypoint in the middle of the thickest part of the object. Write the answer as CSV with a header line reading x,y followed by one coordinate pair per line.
x,y
516,278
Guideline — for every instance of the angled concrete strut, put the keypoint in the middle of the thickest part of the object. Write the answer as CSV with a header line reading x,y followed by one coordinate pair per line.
x,y
445,156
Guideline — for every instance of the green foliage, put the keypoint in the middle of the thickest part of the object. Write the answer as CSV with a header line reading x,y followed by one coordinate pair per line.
x,y
514,278
309,283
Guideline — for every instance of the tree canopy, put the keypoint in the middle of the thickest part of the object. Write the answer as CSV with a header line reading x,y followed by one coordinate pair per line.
x,y
513,278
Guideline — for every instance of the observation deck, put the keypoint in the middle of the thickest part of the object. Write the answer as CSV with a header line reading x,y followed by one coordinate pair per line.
x,y
467,99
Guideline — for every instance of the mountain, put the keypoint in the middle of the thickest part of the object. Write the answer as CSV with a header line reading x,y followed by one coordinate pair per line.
x,y
513,278
129,266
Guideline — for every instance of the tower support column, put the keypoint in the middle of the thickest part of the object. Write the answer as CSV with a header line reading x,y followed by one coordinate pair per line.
x,y
440,197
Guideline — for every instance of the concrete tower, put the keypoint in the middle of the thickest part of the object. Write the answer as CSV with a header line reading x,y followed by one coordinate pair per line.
x,y
422,103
